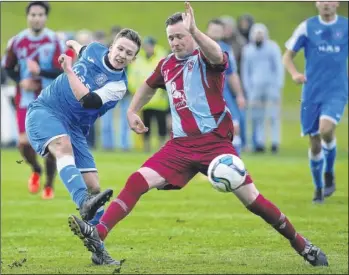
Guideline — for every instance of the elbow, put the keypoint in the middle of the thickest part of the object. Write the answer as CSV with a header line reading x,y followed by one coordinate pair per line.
x,y
91,101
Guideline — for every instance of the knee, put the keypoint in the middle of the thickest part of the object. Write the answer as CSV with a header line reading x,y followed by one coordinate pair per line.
x,y
136,184
326,134
61,147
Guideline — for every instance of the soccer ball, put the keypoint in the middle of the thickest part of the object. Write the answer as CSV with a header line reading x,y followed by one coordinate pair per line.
x,y
226,172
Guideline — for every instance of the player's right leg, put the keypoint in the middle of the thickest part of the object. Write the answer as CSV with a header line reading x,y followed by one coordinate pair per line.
x,y
166,169
28,152
93,236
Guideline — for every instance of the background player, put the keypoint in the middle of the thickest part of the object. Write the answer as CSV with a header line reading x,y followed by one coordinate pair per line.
x,y
325,88
202,130
31,60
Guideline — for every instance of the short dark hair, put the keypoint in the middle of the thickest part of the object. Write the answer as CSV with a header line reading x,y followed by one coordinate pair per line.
x,y
174,19
43,4
115,29
131,35
215,21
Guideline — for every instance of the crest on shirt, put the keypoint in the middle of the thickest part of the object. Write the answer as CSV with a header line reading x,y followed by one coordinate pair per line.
x,y
178,97
100,79
338,35
190,65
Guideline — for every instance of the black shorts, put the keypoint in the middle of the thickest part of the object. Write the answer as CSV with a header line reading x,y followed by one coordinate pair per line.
x,y
160,118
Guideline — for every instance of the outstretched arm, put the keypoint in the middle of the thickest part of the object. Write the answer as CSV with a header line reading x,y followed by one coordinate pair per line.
x,y
141,97
209,48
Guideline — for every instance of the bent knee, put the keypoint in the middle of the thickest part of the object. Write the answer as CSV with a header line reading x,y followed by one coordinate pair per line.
x,y
61,146
247,193
153,179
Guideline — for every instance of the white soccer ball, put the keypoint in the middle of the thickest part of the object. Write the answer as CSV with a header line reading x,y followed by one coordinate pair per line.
x,y
226,172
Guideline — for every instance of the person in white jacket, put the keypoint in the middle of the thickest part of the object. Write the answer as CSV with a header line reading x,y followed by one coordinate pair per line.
x,y
263,79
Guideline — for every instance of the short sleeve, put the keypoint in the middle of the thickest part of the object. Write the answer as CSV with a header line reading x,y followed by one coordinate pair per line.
x,y
215,67
156,80
298,38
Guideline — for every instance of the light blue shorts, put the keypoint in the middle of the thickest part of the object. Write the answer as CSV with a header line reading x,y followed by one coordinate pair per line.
x,y
43,126
311,113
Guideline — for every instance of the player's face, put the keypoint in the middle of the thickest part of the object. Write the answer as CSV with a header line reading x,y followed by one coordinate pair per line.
x,y
181,42
215,31
36,18
122,52
327,8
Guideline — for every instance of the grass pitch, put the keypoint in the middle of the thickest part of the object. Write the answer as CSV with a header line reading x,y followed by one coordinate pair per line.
x,y
195,230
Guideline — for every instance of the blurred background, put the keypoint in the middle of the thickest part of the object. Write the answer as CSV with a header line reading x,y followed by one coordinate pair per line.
x,y
101,21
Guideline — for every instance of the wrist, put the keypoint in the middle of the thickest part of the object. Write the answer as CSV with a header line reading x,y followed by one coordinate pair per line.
x,y
69,70
194,31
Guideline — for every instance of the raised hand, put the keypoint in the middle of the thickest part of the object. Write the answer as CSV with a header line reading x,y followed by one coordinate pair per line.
x,y
188,18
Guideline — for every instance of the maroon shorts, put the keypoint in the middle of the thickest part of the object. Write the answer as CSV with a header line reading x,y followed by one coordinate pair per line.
x,y
21,114
180,159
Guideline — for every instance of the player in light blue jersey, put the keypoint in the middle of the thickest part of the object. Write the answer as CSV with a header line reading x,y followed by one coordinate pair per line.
x,y
232,92
58,121
325,88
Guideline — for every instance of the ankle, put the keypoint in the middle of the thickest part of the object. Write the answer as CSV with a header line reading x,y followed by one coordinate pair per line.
x,y
102,230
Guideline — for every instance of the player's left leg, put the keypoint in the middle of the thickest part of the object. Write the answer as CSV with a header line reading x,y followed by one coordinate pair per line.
x,y
331,113
260,206
50,169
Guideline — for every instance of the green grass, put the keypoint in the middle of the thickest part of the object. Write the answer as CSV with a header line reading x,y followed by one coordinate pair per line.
x,y
195,230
